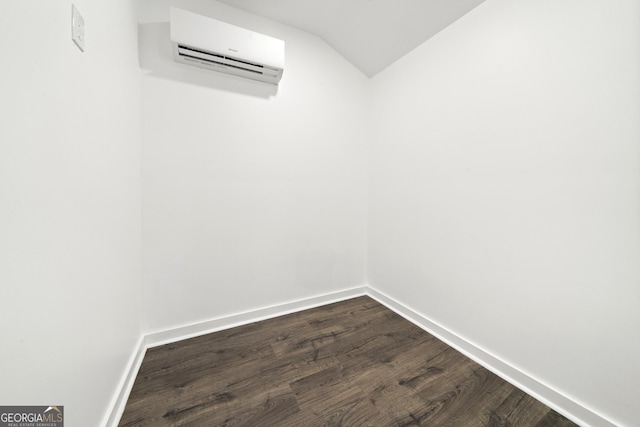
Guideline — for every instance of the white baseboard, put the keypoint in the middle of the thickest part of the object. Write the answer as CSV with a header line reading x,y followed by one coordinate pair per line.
x,y
571,409
119,401
189,331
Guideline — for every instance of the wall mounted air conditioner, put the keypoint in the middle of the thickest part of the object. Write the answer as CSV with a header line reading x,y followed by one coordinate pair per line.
x,y
208,43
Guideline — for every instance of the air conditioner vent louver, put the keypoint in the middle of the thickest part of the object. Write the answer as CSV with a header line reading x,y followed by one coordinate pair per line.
x,y
224,60
201,41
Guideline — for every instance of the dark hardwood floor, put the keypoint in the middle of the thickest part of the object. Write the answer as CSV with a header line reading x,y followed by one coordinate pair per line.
x,y
352,363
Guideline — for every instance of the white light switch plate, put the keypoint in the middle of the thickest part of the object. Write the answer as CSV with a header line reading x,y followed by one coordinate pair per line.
x,y
77,27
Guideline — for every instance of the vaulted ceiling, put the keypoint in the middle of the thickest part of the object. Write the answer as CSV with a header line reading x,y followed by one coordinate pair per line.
x,y
371,34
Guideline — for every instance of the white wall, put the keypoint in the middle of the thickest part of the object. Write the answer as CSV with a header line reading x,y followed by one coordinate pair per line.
x,y
253,194
505,190
69,205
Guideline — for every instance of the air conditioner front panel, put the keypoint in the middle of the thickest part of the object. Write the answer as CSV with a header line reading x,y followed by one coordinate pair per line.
x,y
212,44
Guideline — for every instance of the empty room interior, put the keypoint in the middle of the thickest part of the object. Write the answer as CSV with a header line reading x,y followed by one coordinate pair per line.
x,y
483,184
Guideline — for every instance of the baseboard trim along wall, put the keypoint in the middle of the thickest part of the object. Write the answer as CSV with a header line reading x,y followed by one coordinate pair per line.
x,y
569,408
126,383
167,336
189,331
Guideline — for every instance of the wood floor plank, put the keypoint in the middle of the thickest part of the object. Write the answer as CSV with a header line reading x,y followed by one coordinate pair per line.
x,y
352,363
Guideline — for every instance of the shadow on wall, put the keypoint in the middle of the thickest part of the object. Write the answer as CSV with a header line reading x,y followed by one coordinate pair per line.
x,y
154,55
